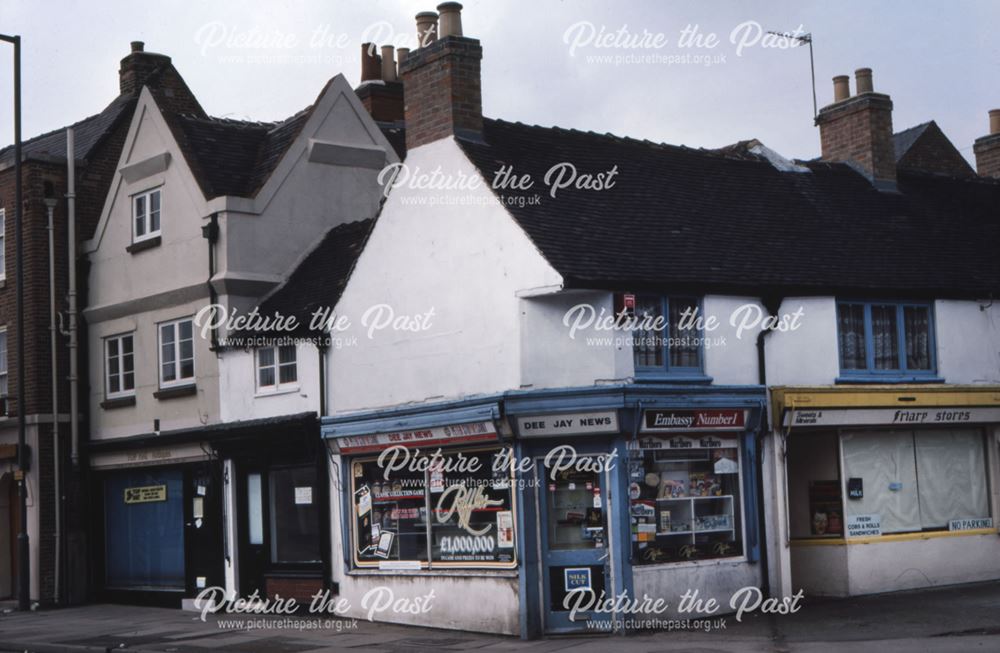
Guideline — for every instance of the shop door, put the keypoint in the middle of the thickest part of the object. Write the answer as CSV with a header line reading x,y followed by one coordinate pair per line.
x,y
574,537
204,545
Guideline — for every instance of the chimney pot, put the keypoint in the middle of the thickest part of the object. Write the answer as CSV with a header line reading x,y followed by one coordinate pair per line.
x,y
841,88
995,121
137,46
401,54
863,81
388,65
450,21
370,66
426,28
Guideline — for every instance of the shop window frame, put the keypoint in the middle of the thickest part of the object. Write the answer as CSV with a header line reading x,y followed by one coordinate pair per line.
x,y
430,565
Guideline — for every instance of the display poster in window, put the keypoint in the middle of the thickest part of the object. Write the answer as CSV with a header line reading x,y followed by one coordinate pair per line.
x,y
303,496
505,529
576,578
451,513
469,513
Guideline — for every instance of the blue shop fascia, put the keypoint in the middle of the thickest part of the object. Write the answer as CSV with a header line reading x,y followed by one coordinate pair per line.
x,y
635,488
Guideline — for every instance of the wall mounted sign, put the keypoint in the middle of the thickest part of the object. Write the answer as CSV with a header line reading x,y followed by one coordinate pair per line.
x,y
146,494
576,578
864,525
969,524
891,416
568,424
429,437
702,419
855,488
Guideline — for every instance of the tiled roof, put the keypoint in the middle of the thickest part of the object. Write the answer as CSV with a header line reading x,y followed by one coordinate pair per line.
x,y
320,278
902,141
88,134
679,219
233,157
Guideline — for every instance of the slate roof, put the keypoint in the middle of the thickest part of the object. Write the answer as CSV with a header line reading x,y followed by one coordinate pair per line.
x,y
319,279
680,219
233,157
88,134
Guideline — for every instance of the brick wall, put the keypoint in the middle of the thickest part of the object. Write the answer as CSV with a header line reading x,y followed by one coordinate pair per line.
x,y
933,152
442,90
987,151
384,101
859,129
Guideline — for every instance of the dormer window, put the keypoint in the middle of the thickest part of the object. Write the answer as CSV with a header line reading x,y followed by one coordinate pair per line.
x,y
146,215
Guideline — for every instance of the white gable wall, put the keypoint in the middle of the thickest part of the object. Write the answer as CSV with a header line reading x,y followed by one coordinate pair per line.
x,y
466,262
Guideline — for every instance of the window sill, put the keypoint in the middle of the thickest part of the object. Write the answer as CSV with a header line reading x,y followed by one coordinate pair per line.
x,y
659,377
277,393
889,378
142,245
892,537
176,392
118,402
676,564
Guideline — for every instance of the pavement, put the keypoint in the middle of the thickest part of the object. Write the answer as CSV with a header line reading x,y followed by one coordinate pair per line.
x,y
953,619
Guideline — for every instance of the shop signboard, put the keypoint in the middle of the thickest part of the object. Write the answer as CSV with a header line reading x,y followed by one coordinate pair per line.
x,y
436,436
930,415
701,419
590,423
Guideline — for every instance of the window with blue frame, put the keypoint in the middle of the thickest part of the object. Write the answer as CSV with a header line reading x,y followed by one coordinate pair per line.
x,y
660,345
885,339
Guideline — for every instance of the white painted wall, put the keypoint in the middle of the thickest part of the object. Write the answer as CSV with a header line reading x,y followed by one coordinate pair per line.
x,y
968,341
808,355
731,351
242,400
553,355
466,262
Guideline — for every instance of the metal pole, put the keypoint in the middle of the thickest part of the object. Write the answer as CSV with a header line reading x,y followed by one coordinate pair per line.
x,y
23,462
71,254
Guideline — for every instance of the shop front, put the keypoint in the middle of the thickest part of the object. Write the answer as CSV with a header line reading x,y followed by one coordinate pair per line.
x,y
890,487
159,533
544,505
240,506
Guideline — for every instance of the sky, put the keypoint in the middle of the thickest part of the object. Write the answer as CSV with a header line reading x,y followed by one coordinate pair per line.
x,y
619,67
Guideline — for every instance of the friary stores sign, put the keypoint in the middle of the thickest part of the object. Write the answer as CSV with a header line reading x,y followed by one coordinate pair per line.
x,y
146,494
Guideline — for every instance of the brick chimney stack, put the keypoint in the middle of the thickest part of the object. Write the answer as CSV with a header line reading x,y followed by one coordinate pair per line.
x,y
858,129
441,80
137,67
987,149
380,91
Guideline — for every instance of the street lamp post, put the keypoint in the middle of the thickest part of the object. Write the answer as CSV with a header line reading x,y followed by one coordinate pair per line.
x,y
23,567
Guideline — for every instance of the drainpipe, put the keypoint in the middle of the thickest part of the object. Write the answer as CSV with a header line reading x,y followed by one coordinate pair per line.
x,y
772,305
74,377
211,233
50,205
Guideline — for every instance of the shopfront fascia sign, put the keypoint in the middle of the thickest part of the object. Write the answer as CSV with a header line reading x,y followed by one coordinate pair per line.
x,y
436,436
915,416
591,423
661,420
153,456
